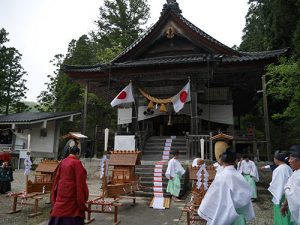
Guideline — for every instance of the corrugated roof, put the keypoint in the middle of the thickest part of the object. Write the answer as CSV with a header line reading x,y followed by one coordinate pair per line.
x,y
34,116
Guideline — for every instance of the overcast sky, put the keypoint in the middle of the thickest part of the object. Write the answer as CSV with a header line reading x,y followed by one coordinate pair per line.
x,y
39,29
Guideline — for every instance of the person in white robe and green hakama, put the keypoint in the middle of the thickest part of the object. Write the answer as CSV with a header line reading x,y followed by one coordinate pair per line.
x,y
292,188
249,170
174,173
228,199
280,177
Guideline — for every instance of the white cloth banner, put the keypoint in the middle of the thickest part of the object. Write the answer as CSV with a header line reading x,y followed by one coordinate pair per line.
x,y
168,148
158,203
27,164
104,162
157,179
157,184
158,194
157,189
165,157
158,174
157,170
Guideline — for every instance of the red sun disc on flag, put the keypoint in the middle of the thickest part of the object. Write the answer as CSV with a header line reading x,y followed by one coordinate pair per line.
x,y
122,95
183,96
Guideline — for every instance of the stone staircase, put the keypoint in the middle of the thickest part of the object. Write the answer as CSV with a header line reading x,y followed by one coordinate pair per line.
x,y
153,149
152,153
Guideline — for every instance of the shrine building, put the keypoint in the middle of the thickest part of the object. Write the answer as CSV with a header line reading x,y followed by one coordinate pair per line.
x,y
224,83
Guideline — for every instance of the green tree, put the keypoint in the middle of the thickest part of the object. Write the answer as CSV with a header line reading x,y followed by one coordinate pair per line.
x,y
12,83
120,23
270,24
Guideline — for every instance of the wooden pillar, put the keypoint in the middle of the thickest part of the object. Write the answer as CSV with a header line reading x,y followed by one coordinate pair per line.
x,y
194,113
266,117
234,145
211,156
255,149
84,118
135,113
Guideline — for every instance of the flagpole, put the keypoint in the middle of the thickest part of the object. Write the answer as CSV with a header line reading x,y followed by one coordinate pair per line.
x,y
136,117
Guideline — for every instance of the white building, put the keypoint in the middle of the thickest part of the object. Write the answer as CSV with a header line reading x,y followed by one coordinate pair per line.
x,y
37,131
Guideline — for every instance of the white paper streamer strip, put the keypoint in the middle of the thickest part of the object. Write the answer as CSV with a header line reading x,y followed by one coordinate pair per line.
x,y
158,203
158,200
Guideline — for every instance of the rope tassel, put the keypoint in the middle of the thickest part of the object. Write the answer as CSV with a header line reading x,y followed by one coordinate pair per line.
x,y
163,108
150,105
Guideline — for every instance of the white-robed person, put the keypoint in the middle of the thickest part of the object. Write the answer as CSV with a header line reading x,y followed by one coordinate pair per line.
x,y
218,166
292,188
249,170
228,199
280,177
174,173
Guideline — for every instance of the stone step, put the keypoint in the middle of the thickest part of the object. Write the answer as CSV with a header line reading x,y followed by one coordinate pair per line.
x,y
163,138
161,148
160,152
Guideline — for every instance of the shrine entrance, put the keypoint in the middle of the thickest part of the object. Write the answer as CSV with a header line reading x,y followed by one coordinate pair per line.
x,y
177,125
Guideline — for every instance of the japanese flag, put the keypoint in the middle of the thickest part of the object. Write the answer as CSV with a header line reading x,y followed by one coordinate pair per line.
x,y
181,98
125,96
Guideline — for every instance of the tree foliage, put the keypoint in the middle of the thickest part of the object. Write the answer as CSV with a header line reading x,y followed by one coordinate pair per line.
x,y
275,24
120,23
270,24
12,82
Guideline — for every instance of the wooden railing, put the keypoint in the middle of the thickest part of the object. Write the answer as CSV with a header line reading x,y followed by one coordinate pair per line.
x,y
193,143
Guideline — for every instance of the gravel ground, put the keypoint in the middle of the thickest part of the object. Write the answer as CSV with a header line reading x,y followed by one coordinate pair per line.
x,y
263,206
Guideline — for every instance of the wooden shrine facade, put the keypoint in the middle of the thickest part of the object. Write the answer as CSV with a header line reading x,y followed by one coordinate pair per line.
x,y
170,53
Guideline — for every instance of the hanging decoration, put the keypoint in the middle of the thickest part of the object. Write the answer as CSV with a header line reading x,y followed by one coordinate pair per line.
x,y
150,105
202,176
156,101
163,108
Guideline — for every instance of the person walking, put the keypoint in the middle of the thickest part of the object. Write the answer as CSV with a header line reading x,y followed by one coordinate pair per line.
x,y
249,170
70,191
280,177
292,188
228,199
174,173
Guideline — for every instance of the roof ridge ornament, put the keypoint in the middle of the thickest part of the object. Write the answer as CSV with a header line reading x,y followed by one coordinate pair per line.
x,y
171,5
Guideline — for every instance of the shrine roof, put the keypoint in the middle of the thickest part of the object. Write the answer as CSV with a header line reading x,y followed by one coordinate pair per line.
x,y
32,117
190,45
182,59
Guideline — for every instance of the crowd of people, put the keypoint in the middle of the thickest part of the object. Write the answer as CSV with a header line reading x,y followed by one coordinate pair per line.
x,y
228,200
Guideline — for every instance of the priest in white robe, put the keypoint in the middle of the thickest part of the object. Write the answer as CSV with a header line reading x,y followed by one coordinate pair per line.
x,y
228,199
292,188
280,177
174,173
249,170
218,166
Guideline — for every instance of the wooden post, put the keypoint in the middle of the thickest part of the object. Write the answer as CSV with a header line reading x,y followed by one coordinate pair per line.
x,y
194,116
210,146
84,118
266,117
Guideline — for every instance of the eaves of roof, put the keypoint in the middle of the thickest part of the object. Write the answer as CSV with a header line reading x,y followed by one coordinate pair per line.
x,y
34,117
